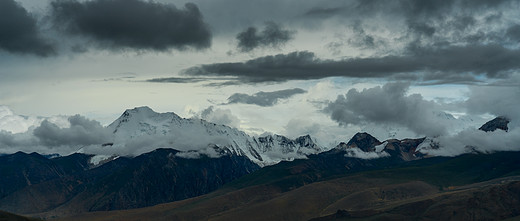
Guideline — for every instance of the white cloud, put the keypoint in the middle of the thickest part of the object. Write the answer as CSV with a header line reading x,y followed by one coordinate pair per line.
x,y
472,140
15,123
220,116
357,153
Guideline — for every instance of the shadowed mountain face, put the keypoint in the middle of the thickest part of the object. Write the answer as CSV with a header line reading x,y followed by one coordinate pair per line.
x,y
497,123
68,184
20,170
158,177
363,141
472,186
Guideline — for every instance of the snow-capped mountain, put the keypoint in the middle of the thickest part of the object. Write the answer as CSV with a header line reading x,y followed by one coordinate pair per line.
x,y
143,126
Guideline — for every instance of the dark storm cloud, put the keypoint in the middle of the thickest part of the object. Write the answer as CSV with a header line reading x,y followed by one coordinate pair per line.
x,y
81,132
273,35
135,24
264,99
19,32
513,33
456,63
387,105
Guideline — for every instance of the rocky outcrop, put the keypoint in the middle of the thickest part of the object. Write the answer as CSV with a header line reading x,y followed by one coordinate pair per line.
x,y
497,123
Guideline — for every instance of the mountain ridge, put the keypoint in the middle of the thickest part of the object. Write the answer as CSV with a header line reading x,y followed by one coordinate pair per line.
x,y
197,134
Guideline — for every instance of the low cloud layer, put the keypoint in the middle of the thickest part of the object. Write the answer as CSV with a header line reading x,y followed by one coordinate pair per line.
x,y
19,32
273,35
497,101
473,140
392,105
133,24
54,135
220,116
264,99
451,64
80,133
385,105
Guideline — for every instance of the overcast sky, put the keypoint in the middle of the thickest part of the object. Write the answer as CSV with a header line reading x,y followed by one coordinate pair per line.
x,y
327,68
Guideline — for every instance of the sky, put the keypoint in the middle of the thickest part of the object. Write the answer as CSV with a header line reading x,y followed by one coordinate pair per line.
x,y
404,68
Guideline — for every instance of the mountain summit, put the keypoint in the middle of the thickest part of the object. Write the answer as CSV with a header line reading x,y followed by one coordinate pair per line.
x,y
144,127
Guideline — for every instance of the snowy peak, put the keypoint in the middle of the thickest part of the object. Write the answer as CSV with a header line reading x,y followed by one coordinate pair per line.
x,y
277,143
142,120
307,142
146,129
141,114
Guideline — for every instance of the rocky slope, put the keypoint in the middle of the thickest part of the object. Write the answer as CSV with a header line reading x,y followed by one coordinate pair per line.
x,y
497,123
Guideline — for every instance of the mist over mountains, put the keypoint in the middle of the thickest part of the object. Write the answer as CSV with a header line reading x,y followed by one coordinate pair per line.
x,y
141,130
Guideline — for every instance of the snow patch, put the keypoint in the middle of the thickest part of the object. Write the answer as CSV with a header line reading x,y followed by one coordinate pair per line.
x,y
381,147
98,160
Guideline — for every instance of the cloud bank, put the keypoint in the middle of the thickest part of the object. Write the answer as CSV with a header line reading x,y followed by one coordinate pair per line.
x,y
451,64
385,105
133,24
81,132
54,135
19,32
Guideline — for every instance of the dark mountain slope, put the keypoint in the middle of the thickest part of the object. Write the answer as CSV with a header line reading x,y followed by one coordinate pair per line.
x,y
70,185
159,177
364,193
21,170
497,123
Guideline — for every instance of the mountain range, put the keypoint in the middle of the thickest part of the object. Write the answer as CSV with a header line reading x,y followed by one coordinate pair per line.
x,y
185,159
196,136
